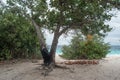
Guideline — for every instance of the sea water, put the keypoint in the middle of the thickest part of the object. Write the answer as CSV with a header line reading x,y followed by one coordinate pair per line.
x,y
114,50
58,50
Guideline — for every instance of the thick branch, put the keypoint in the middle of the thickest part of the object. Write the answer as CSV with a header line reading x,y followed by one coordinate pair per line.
x,y
63,30
78,25
39,33
37,28
74,25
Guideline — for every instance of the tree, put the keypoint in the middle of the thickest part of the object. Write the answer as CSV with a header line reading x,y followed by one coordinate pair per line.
x,y
64,15
86,16
35,12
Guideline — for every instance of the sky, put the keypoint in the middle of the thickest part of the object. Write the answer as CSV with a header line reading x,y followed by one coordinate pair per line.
x,y
112,37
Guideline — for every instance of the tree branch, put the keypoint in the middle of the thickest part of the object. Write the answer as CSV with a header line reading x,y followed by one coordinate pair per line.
x,y
64,30
74,25
39,33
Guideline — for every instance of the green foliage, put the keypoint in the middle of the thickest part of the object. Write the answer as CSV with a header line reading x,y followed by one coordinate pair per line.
x,y
84,49
17,37
34,9
85,15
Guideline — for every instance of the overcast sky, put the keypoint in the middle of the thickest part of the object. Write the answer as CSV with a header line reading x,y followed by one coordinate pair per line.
x,y
113,37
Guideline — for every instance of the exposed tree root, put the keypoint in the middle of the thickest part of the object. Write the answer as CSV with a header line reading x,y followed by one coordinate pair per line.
x,y
61,67
48,69
65,67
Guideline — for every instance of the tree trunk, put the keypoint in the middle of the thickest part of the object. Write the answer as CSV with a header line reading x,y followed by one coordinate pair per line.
x,y
42,41
53,48
54,45
39,34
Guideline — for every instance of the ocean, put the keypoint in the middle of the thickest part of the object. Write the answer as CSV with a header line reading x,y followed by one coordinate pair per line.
x,y
114,50
59,49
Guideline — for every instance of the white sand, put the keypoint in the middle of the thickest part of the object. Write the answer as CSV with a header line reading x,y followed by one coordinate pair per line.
x,y
108,69
58,58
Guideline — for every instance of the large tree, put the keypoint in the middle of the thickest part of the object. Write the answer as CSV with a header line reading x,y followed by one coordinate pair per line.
x,y
86,16
60,16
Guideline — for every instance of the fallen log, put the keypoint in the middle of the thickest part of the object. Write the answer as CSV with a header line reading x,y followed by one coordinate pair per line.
x,y
71,62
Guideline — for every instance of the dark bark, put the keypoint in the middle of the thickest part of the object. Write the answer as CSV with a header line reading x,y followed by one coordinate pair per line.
x,y
46,56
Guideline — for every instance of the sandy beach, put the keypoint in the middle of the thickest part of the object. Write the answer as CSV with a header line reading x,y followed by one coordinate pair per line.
x,y
107,69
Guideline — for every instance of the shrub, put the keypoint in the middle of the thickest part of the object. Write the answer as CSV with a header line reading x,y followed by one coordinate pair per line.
x,y
18,38
86,49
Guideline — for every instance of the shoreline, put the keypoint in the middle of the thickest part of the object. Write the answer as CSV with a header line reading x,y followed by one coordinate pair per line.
x,y
112,57
108,57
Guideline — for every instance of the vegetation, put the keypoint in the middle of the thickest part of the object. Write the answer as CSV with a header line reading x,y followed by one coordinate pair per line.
x,y
59,17
17,37
83,16
85,49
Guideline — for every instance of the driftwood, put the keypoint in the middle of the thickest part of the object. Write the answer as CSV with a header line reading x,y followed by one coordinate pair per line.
x,y
71,62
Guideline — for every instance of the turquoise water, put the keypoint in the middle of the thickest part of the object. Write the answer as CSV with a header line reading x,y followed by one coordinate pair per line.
x,y
58,51
115,50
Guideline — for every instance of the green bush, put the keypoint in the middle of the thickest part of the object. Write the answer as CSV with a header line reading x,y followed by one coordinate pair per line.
x,y
85,49
18,38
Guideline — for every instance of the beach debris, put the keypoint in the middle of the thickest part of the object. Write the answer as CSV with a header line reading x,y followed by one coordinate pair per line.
x,y
82,62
